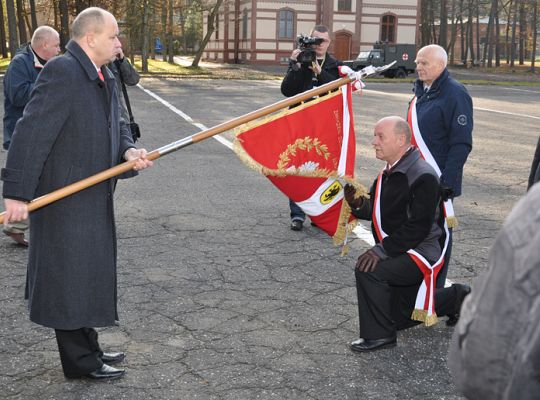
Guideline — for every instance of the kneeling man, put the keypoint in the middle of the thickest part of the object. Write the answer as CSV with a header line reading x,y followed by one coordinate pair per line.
x,y
399,272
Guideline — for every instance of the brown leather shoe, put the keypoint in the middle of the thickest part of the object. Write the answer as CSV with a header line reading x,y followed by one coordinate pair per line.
x,y
18,238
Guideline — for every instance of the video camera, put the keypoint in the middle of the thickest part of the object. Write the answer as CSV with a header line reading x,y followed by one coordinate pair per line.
x,y
306,44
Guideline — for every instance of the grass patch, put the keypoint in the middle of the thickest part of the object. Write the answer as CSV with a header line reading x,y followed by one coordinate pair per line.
x,y
4,62
226,71
157,67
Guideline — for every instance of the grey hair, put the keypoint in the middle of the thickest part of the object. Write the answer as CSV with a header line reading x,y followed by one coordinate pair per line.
x,y
91,19
41,35
402,128
439,52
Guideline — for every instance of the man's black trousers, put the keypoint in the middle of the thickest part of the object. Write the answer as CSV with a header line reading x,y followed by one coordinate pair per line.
x,y
79,351
386,297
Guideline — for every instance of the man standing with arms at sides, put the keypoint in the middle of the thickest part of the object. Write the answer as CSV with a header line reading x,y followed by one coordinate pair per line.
x,y
302,77
18,84
70,130
441,118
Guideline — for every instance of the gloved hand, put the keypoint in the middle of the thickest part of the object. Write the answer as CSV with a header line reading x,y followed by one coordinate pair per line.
x,y
446,193
368,261
349,196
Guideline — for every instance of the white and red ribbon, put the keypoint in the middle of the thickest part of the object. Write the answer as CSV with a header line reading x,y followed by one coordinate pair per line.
x,y
424,309
418,141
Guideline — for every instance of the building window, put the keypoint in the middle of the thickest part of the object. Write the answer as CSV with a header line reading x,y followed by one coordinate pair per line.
x,y
286,21
245,25
217,26
344,5
388,28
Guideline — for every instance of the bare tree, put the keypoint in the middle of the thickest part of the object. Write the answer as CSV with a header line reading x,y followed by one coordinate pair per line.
x,y
425,27
513,45
470,38
443,41
497,39
522,32
64,22
163,31
12,28
453,33
20,18
3,38
463,33
33,15
488,48
535,34
507,33
210,30
170,33
145,36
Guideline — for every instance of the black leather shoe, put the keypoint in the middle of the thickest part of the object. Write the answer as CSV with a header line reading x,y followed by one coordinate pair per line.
x,y
297,225
113,358
364,345
106,372
461,292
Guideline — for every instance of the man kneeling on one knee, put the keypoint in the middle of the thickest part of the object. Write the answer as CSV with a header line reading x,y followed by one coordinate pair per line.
x,y
395,279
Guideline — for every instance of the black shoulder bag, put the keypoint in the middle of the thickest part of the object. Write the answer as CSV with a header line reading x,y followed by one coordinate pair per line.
x,y
133,126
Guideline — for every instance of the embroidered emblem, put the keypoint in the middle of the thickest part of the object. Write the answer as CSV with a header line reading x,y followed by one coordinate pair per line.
x,y
462,120
331,192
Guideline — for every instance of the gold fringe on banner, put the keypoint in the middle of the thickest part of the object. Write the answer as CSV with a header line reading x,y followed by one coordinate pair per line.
x,y
422,316
452,222
344,227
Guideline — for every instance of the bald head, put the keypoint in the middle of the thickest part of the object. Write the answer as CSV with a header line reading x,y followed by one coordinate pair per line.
x,y
430,61
96,32
391,138
45,42
91,20
398,126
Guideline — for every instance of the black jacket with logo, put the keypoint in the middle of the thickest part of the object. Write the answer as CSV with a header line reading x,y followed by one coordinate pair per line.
x,y
409,207
298,80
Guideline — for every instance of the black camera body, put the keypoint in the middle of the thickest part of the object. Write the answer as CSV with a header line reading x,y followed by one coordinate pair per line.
x,y
306,44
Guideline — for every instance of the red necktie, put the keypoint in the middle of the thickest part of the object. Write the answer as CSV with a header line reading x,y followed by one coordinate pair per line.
x,y
100,74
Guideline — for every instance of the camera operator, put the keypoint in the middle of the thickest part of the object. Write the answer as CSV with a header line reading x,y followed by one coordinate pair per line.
x,y
306,75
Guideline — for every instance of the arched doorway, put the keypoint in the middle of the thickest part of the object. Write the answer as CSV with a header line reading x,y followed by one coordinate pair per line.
x,y
342,45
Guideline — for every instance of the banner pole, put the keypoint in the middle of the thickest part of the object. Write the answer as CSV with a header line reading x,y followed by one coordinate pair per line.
x,y
196,138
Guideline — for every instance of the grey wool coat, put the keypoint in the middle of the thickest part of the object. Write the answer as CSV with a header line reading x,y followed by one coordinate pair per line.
x,y
70,130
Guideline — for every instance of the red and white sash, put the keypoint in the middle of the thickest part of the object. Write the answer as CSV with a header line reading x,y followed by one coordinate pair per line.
x,y
418,141
424,309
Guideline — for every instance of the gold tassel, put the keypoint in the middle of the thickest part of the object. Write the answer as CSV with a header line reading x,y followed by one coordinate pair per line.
x,y
344,250
431,320
419,315
452,222
422,316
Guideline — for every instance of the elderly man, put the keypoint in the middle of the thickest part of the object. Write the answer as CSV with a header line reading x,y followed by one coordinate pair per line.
x,y
301,77
18,84
441,118
409,235
70,130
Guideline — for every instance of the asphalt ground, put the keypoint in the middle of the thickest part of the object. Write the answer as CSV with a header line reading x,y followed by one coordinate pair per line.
x,y
219,299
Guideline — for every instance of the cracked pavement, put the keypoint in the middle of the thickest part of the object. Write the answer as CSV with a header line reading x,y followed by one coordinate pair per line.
x,y
220,300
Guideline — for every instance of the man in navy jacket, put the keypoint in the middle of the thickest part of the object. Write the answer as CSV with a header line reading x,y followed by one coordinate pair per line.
x,y
18,85
444,113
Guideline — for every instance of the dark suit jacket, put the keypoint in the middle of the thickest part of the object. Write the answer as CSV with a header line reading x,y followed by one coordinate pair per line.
x,y
70,130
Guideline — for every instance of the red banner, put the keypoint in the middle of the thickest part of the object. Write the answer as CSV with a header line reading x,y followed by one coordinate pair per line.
x,y
307,152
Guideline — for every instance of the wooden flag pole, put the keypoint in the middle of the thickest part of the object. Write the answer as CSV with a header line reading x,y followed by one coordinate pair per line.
x,y
198,137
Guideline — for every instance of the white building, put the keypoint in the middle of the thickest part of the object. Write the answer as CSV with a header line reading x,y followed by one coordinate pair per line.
x,y
264,32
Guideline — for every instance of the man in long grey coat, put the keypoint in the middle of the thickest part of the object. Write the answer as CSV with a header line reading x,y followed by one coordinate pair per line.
x,y
71,129
495,350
